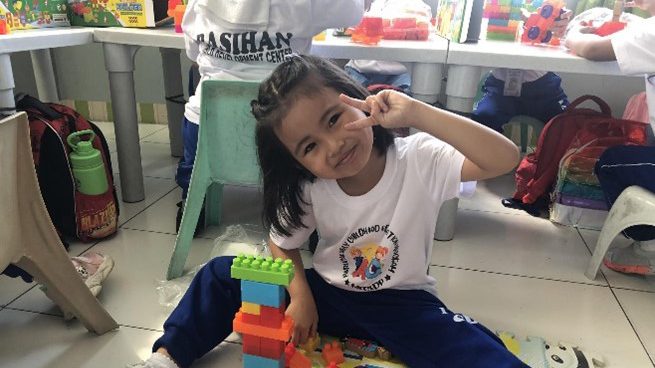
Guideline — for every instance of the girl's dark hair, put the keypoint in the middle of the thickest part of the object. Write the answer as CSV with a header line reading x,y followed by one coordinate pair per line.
x,y
298,75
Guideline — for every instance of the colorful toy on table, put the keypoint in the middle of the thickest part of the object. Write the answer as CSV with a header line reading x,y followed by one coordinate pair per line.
x,y
614,25
294,358
4,27
176,9
261,321
369,31
332,353
406,29
504,19
537,28
366,348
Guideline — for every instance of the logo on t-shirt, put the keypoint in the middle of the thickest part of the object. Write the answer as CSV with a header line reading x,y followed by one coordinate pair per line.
x,y
367,265
246,46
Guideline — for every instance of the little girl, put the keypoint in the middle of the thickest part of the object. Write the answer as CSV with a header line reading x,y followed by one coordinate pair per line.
x,y
330,163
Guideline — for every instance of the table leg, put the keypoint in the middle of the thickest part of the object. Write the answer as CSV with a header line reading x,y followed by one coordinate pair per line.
x,y
44,75
119,62
426,86
461,87
174,94
7,104
426,81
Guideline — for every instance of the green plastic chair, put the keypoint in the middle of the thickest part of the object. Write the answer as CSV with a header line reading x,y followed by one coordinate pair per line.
x,y
226,154
524,121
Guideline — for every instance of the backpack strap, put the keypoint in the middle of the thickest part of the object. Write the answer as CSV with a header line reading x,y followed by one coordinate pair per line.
x,y
604,107
26,102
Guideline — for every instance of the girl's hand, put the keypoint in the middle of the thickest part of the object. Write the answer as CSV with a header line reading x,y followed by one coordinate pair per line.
x,y
388,108
302,309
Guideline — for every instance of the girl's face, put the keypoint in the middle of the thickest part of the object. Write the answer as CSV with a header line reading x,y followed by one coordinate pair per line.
x,y
313,132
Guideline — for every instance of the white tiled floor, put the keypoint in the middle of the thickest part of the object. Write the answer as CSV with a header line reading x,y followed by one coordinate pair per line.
x,y
506,269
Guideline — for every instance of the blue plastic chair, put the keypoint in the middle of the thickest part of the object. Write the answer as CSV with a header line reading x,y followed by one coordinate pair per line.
x,y
226,154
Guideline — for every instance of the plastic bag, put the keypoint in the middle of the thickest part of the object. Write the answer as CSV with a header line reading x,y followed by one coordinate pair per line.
x,y
237,239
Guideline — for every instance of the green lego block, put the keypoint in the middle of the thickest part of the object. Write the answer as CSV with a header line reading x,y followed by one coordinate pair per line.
x,y
269,271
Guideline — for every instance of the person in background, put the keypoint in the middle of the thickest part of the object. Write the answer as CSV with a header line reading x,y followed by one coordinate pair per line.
x,y
245,40
511,92
623,166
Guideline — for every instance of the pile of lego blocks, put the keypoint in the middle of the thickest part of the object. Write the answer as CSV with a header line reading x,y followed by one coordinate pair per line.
x,y
504,19
261,320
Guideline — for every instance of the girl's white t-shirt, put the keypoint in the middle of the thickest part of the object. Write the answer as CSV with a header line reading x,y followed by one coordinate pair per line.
x,y
382,239
247,39
634,48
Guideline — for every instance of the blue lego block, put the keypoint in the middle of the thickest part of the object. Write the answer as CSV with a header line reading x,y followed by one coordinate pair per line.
x,y
263,294
254,361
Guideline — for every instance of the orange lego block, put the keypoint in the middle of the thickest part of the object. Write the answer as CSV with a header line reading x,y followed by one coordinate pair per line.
x,y
283,333
273,349
251,344
332,353
294,358
271,316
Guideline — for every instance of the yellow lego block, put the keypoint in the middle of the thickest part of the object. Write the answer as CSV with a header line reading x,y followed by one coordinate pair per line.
x,y
250,308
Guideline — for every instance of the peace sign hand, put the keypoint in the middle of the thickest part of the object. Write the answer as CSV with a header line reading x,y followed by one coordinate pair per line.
x,y
388,108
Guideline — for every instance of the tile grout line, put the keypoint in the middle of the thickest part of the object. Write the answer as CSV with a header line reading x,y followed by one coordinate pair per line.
x,y
618,301
517,275
632,326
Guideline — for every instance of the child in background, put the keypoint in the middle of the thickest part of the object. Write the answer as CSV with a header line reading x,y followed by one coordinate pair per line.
x,y
246,39
512,92
623,166
331,164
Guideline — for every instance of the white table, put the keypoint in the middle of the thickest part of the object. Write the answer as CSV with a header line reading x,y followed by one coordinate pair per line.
x,y
38,42
466,60
121,45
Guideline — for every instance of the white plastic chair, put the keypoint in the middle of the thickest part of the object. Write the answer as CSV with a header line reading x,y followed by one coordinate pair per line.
x,y
635,206
27,237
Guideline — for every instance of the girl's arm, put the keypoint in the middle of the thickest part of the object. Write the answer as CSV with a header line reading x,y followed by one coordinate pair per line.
x,y
488,153
302,308
590,46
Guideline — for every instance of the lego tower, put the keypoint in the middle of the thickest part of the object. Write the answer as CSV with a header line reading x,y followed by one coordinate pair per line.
x,y
261,320
504,19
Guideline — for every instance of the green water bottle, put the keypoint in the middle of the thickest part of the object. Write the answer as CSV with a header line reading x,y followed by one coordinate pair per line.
x,y
87,164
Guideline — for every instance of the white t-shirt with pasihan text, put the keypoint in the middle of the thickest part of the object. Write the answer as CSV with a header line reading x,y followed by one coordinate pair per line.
x,y
246,39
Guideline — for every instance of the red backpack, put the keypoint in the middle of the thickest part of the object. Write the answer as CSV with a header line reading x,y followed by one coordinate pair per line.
x,y
537,172
74,214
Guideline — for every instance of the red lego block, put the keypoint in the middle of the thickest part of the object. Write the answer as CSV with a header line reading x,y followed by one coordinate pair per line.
x,y
283,333
251,318
332,365
294,358
332,353
270,348
271,316
251,344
